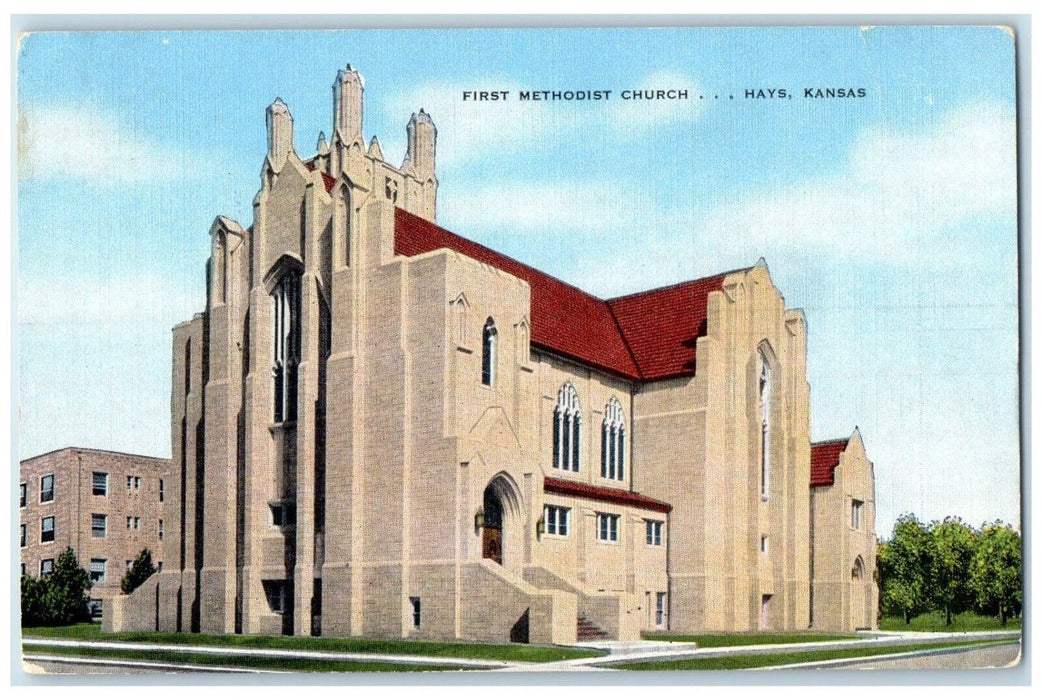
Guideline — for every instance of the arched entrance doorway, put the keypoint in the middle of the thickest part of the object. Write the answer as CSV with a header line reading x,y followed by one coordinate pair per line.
x,y
857,595
502,515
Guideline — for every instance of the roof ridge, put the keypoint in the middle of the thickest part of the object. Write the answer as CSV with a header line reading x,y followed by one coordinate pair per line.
x,y
504,255
677,285
834,441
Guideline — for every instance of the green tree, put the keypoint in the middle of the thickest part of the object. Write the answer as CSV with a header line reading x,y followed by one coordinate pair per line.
x,y
952,546
139,572
904,566
995,571
65,591
32,590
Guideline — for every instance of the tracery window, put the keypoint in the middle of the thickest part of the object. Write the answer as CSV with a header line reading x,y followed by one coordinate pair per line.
x,y
567,429
488,352
613,441
765,426
286,298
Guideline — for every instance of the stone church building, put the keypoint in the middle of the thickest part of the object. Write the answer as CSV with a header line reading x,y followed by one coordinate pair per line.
x,y
383,429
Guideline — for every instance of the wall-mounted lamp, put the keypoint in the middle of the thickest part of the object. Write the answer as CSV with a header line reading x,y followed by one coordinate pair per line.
x,y
540,527
479,520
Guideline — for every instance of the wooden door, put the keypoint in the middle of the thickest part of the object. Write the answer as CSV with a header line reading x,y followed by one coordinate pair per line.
x,y
492,544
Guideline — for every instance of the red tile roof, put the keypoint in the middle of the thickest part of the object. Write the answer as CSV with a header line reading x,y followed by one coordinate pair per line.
x,y
566,487
662,325
824,458
642,337
327,179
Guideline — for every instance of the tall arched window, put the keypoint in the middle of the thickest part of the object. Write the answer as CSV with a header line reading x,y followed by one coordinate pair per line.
x,y
286,300
488,353
567,429
613,441
765,426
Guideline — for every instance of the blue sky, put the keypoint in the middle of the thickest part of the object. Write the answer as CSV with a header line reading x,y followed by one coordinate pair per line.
x,y
891,220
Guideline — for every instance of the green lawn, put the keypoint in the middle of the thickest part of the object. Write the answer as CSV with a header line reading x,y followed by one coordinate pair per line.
x,y
739,640
499,652
245,662
730,663
934,622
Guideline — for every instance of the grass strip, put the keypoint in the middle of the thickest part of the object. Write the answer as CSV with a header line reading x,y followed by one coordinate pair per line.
x,y
706,641
464,650
731,663
963,622
243,662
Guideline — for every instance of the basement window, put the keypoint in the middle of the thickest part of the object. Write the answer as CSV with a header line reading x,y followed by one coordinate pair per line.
x,y
416,612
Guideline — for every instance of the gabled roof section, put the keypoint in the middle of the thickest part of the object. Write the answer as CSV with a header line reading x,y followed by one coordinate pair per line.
x,y
824,458
662,325
642,337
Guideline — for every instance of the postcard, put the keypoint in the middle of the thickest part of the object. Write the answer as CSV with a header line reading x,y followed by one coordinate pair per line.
x,y
504,349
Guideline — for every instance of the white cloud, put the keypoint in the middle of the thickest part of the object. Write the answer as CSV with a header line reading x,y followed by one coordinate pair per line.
x,y
85,142
476,130
894,196
897,194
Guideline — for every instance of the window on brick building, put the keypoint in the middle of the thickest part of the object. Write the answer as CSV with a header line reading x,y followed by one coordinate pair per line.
x,y
556,519
613,441
100,483
24,532
47,488
653,530
22,494
765,426
567,429
607,527
47,529
855,513
46,567
98,525
97,571
162,491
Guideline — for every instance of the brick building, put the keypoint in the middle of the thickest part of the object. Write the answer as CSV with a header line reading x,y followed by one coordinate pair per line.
x,y
384,429
107,506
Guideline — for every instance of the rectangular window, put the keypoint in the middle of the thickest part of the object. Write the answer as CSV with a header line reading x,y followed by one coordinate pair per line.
x,y
97,571
47,488
25,569
556,520
99,525
660,610
607,527
22,492
654,532
94,607
100,484
162,491
130,564
763,544
416,612
276,593
283,514
855,514
47,529
130,482
46,567
137,482
160,528
25,536
130,522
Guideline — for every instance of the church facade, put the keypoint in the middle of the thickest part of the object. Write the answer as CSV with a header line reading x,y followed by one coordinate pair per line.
x,y
383,429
